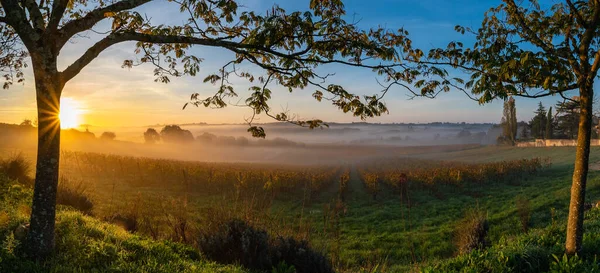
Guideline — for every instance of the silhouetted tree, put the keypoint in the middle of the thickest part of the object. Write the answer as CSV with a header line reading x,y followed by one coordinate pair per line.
x,y
538,122
174,134
287,46
533,51
206,137
151,136
108,136
567,119
549,132
27,122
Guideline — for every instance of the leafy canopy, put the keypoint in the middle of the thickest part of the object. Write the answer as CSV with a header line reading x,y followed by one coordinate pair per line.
x,y
529,50
287,46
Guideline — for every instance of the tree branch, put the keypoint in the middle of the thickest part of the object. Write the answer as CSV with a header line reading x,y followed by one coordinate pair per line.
x,y
596,64
58,10
35,15
533,37
577,14
570,58
93,17
16,18
589,35
115,38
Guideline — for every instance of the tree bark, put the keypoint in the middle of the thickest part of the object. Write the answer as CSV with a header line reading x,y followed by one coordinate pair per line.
x,y
40,240
576,207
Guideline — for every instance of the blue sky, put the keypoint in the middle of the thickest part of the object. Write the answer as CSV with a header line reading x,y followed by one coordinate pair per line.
x,y
112,96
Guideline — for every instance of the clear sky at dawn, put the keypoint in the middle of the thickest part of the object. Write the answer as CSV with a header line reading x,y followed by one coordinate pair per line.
x,y
104,94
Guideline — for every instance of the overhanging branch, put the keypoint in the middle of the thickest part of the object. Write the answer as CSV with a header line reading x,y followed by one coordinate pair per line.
x,y
93,17
115,38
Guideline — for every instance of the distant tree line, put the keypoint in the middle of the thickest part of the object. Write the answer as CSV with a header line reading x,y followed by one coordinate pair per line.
x,y
174,134
561,125
545,124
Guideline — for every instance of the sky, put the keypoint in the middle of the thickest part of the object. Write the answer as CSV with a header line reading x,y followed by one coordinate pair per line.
x,y
104,94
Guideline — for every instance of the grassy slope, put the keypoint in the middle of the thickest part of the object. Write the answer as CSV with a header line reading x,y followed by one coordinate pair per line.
x,y
85,244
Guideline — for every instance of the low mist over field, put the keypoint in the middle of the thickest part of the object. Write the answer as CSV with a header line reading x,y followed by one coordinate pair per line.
x,y
341,133
284,143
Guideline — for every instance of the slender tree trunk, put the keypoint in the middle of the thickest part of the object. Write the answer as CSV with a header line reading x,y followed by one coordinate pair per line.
x,y
575,223
43,211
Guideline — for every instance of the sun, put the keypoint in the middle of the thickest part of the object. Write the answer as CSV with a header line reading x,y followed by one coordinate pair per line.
x,y
70,113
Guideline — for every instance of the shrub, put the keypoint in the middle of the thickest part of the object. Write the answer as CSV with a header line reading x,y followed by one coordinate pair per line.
x,y
75,195
236,242
524,212
471,231
174,134
299,255
17,168
108,136
151,136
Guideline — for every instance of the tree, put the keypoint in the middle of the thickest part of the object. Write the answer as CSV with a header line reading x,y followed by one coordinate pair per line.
x,y
567,119
174,134
509,121
27,122
108,136
151,136
285,46
538,122
536,51
549,132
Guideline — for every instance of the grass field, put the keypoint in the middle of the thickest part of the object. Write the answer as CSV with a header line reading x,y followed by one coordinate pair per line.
x,y
330,205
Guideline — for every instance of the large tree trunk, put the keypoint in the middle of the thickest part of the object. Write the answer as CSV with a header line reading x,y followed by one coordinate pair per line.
x,y
43,211
575,223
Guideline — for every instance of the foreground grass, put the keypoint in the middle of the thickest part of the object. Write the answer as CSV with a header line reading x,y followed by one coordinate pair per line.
x,y
541,250
85,244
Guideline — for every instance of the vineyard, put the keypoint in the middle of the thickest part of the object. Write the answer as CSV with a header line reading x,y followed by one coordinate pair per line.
x,y
402,175
392,213
152,196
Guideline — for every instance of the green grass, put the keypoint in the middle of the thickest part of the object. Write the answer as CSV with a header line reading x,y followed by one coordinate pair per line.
x,y
86,244
541,250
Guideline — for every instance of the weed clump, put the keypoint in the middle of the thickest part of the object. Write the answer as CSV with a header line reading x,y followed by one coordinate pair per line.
x,y
17,167
75,195
471,231
299,255
236,242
